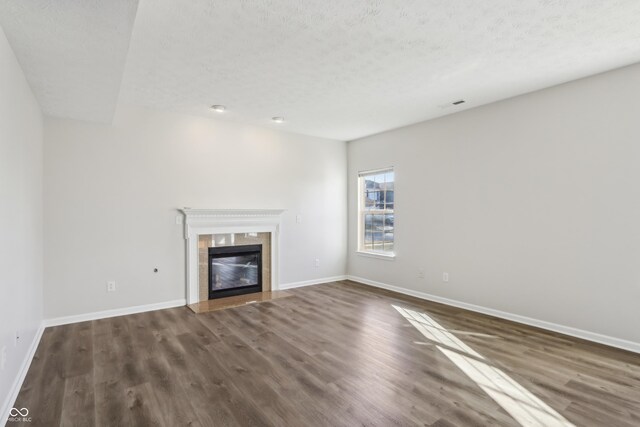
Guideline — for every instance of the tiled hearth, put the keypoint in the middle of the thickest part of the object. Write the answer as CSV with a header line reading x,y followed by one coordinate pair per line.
x,y
237,301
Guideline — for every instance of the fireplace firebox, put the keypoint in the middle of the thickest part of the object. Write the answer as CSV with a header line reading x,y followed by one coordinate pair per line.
x,y
235,270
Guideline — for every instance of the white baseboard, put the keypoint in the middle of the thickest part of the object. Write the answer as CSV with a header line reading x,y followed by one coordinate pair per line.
x,y
22,373
566,330
114,313
284,286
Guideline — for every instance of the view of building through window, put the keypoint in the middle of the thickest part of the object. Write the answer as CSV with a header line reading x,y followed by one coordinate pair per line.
x,y
376,211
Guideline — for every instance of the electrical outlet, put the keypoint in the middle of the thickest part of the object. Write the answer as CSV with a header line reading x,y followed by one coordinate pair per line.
x,y
3,357
317,262
299,219
445,277
178,219
421,273
111,286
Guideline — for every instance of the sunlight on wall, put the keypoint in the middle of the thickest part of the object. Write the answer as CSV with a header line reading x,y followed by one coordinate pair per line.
x,y
519,402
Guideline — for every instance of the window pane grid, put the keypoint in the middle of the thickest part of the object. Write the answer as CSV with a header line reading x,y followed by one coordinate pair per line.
x,y
377,211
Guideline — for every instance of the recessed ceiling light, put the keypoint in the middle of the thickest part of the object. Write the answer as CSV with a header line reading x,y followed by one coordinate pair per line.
x,y
219,108
278,119
459,102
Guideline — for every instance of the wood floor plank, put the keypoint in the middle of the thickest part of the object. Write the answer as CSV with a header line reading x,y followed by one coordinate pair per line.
x,y
78,406
173,404
43,389
142,407
337,354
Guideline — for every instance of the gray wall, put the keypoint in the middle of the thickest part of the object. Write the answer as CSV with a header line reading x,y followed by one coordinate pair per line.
x,y
532,205
111,194
20,220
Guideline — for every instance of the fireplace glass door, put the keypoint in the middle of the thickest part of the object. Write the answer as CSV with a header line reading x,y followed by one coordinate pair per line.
x,y
235,270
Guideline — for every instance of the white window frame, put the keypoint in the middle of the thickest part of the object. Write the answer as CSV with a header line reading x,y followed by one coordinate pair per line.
x,y
361,215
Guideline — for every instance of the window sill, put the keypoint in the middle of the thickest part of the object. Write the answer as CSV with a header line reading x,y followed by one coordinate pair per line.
x,y
389,257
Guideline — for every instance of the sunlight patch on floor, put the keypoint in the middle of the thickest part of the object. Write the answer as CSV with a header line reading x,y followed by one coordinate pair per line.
x,y
520,403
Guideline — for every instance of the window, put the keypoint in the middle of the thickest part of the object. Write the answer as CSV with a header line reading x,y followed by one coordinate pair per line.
x,y
375,212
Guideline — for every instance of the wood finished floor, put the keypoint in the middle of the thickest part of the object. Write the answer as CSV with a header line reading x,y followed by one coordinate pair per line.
x,y
336,354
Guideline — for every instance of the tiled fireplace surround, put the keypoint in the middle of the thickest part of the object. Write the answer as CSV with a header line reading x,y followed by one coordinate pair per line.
x,y
206,241
204,228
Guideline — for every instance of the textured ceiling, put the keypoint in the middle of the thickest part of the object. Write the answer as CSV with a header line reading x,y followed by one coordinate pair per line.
x,y
72,52
333,68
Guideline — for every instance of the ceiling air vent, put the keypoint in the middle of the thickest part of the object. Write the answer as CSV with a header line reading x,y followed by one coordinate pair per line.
x,y
458,102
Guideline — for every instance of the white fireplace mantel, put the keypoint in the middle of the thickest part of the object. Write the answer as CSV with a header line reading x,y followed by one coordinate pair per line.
x,y
225,221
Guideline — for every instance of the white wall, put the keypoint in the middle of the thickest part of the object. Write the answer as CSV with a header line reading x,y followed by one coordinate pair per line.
x,y
532,205
111,194
20,221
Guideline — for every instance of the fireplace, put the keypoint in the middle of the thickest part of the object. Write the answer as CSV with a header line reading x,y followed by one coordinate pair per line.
x,y
207,228
235,270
